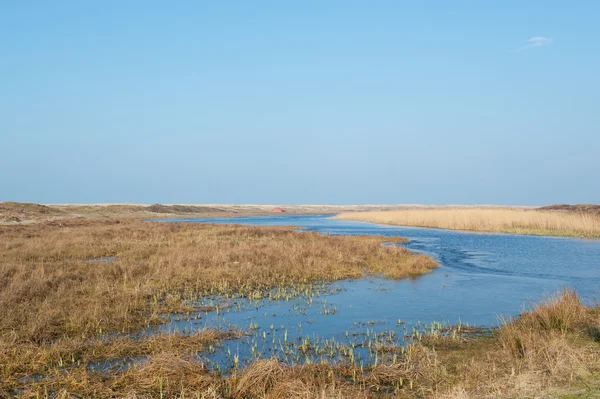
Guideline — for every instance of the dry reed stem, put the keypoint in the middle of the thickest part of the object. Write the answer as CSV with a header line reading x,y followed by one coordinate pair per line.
x,y
504,220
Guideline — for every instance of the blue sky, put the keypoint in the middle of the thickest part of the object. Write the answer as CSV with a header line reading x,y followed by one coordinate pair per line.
x,y
338,102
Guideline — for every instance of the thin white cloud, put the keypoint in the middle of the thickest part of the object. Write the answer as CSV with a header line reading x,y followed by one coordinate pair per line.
x,y
536,41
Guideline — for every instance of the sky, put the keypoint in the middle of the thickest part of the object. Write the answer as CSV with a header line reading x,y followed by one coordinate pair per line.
x,y
312,102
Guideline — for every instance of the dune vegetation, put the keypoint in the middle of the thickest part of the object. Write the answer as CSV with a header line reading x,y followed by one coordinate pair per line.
x,y
21,212
18,212
499,220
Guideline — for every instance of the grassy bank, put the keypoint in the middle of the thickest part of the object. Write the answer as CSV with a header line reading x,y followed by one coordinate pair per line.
x,y
552,351
67,285
501,220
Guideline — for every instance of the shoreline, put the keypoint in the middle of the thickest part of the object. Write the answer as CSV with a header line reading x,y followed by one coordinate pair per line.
x,y
452,220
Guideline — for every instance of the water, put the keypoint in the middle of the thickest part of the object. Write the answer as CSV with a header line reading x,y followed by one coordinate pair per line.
x,y
483,278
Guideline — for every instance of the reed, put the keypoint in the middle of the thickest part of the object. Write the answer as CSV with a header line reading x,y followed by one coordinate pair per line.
x,y
503,220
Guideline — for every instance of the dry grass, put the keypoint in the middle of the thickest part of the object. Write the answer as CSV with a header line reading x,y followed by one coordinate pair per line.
x,y
67,284
550,349
504,220
85,276
273,380
57,308
547,352
18,211
581,208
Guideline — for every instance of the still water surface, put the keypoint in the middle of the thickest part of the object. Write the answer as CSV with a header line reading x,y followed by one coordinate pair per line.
x,y
482,278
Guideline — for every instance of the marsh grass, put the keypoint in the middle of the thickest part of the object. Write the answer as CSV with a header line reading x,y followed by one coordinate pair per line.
x,y
504,220
73,289
61,313
550,350
52,288
557,353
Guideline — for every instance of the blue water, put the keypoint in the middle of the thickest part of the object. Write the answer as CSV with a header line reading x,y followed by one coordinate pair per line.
x,y
482,278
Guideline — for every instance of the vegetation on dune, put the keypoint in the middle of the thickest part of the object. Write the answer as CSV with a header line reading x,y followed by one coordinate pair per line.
x,y
158,208
11,212
139,210
582,208
18,211
502,220
15,212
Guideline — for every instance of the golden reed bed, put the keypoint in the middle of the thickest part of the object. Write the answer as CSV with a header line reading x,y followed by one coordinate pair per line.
x,y
503,220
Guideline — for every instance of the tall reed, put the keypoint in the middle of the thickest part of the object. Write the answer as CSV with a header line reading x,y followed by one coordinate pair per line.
x,y
505,220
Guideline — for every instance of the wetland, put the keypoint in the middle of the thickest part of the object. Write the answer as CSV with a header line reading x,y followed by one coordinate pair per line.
x,y
236,307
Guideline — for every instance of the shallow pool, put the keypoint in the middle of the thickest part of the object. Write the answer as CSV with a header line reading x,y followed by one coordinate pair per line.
x,y
483,278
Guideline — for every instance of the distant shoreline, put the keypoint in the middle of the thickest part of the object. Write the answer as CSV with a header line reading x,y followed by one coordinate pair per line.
x,y
535,222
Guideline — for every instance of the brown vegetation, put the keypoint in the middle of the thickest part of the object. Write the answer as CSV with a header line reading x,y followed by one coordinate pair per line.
x,y
550,351
81,276
187,210
14,212
178,209
584,208
504,220
72,289
66,284
18,211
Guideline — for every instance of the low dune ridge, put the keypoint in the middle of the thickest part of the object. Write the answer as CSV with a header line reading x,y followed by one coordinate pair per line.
x,y
17,211
591,209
